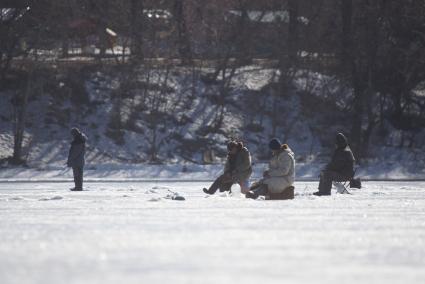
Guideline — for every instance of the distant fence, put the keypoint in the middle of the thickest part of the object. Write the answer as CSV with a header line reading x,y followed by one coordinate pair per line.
x,y
324,63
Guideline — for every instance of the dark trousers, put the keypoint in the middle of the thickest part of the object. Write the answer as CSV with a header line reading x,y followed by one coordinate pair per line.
x,y
326,179
78,177
261,189
223,182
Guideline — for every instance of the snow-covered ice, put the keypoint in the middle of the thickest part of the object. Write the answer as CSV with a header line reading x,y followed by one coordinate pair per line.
x,y
130,233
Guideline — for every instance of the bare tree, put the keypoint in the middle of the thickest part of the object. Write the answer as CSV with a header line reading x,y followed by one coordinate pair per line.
x,y
183,43
20,105
136,26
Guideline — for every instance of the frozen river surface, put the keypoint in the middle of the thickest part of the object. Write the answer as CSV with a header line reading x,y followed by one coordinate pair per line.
x,y
130,233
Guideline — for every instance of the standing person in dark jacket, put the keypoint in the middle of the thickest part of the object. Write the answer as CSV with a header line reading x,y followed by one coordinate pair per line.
x,y
341,167
76,159
237,169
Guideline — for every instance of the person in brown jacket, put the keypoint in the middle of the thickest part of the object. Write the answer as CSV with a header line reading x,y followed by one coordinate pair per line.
x,y
237,169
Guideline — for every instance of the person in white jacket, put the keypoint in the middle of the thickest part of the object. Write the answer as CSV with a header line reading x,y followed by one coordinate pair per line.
x,y
281,173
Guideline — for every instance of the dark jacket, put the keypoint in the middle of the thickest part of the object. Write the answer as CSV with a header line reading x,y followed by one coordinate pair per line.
x,y
343,159
77,151
239,165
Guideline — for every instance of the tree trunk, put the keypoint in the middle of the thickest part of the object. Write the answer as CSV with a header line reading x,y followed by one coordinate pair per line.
x,y
21,103
183,44
293,32
136,23
346,47
372,50
349,67
65,47
289,48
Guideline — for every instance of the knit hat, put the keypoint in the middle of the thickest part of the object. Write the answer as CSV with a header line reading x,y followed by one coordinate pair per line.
x,y
75,131
341,140
275,144
234,144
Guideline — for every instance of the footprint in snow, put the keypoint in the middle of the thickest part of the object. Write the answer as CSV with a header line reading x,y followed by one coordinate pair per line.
x,y
175,196
18,198
155,199
125,189
160,187
51,198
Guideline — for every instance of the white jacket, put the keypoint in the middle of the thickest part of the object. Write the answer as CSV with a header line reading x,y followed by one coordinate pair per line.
x,y
281,171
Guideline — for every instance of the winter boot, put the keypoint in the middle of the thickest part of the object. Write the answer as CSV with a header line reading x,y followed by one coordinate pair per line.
x,y
318,193
207,191
76,189
251,194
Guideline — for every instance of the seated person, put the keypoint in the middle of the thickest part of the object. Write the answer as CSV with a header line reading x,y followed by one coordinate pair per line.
x,y
236,170
281,173
340,168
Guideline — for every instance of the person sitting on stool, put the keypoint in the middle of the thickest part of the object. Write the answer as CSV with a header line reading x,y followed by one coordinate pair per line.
x,y
237,169
281,173
340,168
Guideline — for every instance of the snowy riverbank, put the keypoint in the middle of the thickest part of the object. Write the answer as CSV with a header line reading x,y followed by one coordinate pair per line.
x,y
194,172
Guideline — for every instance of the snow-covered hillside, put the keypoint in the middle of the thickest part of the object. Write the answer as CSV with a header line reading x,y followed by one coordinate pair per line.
x,y
176,116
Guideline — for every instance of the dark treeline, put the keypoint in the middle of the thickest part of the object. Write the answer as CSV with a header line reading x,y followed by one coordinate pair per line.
x,y
376,47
